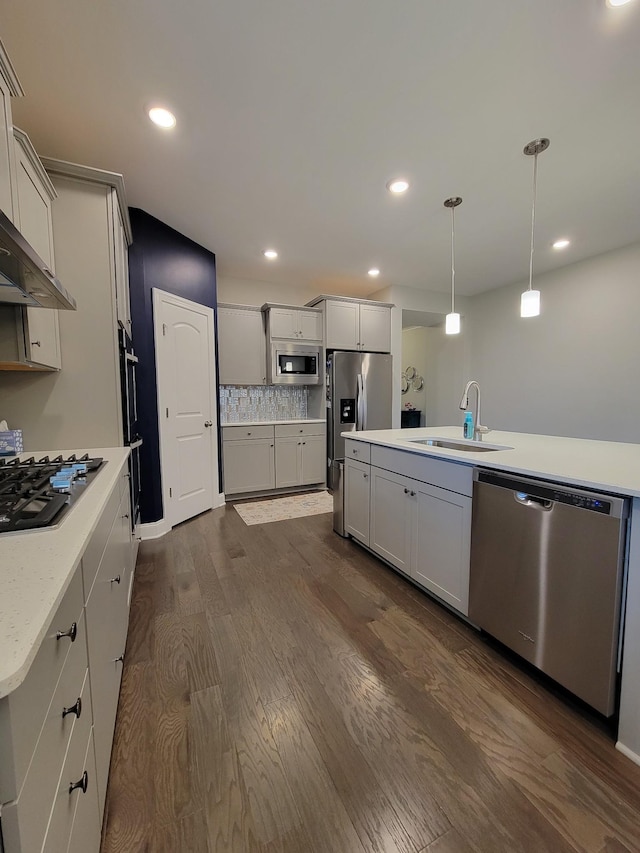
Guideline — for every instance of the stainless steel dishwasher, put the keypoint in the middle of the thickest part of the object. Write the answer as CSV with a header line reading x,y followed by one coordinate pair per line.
x,y
546,578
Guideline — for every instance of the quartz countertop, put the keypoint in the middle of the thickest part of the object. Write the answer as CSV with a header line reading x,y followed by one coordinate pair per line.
x,y
37,566
271,423
604,465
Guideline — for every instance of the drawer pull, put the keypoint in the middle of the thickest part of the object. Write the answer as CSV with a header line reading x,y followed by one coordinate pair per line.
x,y
36,343
83,783
406,491
72,633
126,515
73,709
115,580
119,659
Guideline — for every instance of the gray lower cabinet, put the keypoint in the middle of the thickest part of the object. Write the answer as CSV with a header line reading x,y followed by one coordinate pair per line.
x,y
56,728
266,457
357,499
423,529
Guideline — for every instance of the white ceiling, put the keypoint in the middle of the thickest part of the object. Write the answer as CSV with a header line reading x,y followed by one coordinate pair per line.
x,y
293,114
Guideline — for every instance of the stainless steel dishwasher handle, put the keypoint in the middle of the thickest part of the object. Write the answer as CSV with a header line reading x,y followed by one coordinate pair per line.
x,y
532,501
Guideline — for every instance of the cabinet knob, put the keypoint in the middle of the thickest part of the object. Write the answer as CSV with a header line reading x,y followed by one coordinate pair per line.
x,y
406,491
73,709
366,476
304,442
119,659
72,633
126,515
36,344
115,580
413,494
82,783
208,423
248,433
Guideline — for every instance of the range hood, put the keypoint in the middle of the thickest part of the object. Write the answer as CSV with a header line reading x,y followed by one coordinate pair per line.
x,y
24,278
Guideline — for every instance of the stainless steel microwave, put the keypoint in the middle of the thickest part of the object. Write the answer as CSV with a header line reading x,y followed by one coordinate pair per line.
x,y
295,364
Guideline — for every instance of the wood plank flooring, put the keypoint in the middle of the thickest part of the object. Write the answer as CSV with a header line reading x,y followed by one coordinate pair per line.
x,y
285,692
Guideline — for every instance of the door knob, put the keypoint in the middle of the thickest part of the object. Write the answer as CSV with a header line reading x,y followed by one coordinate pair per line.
x,y
208,423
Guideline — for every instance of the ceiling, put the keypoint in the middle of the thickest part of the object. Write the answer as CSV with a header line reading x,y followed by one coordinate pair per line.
x,y
293,115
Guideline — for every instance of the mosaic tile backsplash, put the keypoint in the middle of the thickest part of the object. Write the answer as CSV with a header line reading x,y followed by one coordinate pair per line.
x,y
262,403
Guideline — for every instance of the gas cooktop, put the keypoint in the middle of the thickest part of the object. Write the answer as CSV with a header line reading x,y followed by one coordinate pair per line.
x,y
36,493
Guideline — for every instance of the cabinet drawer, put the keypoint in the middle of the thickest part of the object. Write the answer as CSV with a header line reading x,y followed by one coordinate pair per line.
x,y
95,549
237,433
65,801
454,476
286,430
45,801
23,712
357,450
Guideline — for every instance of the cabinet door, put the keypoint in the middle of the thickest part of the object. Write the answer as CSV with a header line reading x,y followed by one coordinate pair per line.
x,y
120,265
6,152
314,459
357,477
288,462
392,517
283,323
248,465
442,537
34,219
310,325
375,328
343,325
242,347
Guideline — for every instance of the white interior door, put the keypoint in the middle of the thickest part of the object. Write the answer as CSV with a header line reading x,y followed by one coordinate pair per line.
x,y
186,405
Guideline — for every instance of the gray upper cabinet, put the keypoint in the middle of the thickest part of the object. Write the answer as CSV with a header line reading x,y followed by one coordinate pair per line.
x,y
356,324
242,345
291,323
9,87
33,217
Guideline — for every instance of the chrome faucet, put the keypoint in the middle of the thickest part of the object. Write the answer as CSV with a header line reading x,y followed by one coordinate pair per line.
x,y
478,429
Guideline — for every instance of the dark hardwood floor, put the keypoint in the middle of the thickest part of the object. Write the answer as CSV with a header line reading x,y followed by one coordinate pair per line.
x,y
285,692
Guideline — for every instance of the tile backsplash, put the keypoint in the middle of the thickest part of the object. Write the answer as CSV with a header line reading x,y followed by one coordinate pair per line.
x,y
262,403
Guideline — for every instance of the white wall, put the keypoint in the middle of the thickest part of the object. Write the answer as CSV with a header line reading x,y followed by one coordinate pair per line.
x,y
249,292
573,370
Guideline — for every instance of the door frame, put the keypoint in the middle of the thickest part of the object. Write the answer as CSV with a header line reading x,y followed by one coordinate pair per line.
x,y
160,296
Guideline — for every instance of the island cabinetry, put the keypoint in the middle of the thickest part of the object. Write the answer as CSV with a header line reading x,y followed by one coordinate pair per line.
x,y
248,458
357,499
356,324
300,454
294,324
418,516
242,345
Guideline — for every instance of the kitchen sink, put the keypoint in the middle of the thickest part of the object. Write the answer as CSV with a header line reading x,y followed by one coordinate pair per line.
x,y
465,446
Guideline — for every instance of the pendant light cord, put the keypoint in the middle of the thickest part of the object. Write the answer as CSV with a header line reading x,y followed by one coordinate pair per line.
x,y
453,255
533,217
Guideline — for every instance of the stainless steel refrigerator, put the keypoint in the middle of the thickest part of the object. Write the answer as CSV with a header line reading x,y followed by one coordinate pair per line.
x,y
359,391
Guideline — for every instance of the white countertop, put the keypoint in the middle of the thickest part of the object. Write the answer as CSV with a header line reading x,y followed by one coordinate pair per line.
x,y
271,423
37,566
603,465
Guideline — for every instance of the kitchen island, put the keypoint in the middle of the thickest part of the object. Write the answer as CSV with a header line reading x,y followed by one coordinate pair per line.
x,y
603,466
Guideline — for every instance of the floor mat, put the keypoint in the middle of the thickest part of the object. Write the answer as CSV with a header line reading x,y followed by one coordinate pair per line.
x,y
279,509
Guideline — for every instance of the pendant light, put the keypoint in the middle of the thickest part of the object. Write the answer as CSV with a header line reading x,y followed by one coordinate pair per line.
x,y
530,299
452,321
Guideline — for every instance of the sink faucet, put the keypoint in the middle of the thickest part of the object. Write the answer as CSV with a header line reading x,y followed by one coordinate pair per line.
x,y
478,429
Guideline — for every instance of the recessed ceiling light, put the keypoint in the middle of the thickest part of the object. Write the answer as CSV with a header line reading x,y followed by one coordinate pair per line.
x,y
373,272
398,185
162,117
614,3
271,254
561,244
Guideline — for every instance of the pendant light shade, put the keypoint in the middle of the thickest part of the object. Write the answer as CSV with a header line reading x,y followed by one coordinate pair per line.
x,y
452,322
530,299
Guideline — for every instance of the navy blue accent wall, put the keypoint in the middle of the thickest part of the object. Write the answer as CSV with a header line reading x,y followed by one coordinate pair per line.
x,y
163,258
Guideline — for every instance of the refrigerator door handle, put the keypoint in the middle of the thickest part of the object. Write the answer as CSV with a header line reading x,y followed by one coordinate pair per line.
x,y
361,403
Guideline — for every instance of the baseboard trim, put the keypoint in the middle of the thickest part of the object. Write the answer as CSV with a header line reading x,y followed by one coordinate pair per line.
x,y
153,529
628,752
